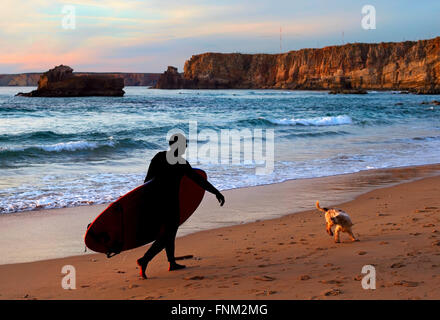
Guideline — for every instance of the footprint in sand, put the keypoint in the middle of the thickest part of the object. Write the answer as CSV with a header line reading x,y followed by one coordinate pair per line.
x,y
263,292
152,297
194,278
428,225
332,281
264,278
359,277
331,292
397,265
406,283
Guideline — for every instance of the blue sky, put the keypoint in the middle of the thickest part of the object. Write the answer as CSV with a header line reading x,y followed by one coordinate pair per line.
x,y
147,36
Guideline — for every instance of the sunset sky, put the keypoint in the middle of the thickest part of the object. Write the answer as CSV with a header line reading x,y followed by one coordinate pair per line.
x,y
147,36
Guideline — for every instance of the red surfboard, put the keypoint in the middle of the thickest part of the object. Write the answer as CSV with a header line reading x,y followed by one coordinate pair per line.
x,y
130,222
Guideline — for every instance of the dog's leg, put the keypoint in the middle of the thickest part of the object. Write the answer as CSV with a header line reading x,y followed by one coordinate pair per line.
x,y
337,232
353,238
329,229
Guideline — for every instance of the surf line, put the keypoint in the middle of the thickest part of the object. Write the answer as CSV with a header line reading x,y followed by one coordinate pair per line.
x,y
251,147
182,310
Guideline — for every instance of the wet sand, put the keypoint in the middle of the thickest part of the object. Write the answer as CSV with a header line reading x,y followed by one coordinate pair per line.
x,y
57,233
291,257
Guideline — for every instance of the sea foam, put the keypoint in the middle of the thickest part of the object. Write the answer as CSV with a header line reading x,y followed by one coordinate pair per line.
x,y
317,121
71,146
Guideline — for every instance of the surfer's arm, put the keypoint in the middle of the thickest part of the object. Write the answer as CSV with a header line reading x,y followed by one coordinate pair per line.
x,y
205,184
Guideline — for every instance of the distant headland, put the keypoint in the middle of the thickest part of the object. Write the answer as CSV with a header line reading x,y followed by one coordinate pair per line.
x,y
411,65
31,79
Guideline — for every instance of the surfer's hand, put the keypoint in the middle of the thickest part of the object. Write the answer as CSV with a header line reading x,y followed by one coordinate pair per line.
x,y
220,198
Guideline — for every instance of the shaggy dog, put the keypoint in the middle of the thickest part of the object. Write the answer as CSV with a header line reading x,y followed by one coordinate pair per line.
x,y
339,218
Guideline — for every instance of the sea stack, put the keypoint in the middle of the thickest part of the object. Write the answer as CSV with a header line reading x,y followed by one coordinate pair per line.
x,y
62,82
172,79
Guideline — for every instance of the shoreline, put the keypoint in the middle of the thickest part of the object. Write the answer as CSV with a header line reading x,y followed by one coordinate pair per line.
x,y
347,187
244,187
288,257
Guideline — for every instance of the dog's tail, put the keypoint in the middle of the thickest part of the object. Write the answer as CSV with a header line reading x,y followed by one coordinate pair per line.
x,y
319,208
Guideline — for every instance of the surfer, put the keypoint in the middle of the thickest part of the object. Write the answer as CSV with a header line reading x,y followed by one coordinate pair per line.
x,y
167,169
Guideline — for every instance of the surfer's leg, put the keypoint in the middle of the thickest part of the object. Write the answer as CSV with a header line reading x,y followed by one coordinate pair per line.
x,y
143,267
155,248
170,244
170,248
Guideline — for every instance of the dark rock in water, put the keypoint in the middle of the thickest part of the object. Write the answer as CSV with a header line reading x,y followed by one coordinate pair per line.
x,y
426,91
434,102
61,82
348,91
172,79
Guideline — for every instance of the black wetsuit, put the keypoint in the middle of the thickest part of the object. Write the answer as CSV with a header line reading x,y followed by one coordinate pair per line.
x,y
166,180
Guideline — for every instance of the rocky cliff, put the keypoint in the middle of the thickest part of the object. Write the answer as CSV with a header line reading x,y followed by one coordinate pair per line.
x,y
405,65
31,79
61,82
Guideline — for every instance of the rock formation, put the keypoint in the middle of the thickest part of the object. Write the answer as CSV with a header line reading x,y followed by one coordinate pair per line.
x,y
130,79
172,79
61,82
409,65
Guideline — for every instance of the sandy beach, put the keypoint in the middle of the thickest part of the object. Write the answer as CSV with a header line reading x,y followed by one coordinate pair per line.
x,y
291,257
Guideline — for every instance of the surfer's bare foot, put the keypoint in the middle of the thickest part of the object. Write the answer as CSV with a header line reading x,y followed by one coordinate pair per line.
x,y
143,267
175,266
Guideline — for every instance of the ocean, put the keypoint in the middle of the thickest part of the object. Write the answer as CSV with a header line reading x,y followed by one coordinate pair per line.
x,y
65,152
